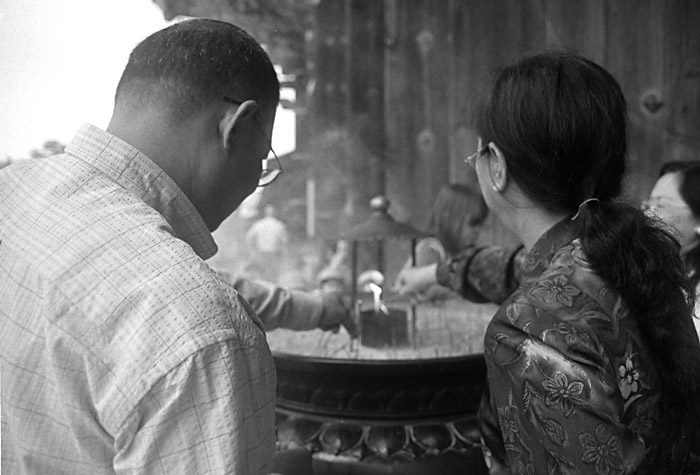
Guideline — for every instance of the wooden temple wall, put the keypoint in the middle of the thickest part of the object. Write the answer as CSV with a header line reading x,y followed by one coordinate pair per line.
x,y
411,70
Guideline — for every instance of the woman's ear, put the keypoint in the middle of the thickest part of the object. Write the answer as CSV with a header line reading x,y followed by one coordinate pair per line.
x,y
498,170
234,115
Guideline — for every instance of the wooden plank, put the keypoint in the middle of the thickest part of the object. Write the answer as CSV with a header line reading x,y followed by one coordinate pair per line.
x,y
415,104
399,122
682,140
431,141
634,53
331,97
365,114
576,26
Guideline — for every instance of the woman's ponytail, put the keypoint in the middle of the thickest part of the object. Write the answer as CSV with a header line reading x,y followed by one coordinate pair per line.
x,y
639,258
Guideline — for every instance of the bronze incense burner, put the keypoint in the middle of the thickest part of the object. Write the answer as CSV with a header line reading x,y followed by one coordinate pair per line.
x,y
413,414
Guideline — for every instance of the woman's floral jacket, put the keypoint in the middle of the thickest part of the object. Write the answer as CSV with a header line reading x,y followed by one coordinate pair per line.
x,y
571,387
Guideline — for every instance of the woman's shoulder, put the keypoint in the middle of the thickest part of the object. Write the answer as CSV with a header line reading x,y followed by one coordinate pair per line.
x,y
566,295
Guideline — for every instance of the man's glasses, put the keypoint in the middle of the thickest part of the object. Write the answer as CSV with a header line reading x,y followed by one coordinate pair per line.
x,y
271,169
471,159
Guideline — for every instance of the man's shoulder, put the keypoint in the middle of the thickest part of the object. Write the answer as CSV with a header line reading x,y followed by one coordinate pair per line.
x,y
60,212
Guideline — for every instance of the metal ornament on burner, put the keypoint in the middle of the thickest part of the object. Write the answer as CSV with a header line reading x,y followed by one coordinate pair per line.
x,y
381,225
381,326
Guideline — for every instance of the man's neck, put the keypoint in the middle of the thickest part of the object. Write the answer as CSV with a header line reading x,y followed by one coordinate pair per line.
x,y
165,149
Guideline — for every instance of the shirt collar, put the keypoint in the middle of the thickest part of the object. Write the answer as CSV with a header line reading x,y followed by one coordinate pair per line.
x,y
141,176
547,245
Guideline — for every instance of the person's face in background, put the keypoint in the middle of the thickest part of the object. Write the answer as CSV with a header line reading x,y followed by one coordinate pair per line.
x,y
666,203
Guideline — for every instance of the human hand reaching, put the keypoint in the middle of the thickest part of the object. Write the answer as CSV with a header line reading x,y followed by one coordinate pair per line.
x,y
413,281
337,311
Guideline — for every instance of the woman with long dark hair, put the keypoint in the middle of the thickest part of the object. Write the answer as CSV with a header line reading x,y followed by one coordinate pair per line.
x,y
593,364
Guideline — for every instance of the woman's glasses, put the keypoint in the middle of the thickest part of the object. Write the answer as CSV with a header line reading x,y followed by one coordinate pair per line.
x,y
471,159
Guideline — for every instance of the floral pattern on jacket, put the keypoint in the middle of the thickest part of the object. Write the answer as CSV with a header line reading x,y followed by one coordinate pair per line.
x,y
571,385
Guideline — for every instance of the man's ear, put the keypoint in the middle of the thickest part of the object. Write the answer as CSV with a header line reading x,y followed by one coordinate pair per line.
x,y
235,114
497,168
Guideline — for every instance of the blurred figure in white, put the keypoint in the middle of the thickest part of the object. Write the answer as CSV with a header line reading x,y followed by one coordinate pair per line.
x,y
267,240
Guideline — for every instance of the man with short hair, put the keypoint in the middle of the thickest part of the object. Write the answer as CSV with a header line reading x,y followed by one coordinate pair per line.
x,y
121,350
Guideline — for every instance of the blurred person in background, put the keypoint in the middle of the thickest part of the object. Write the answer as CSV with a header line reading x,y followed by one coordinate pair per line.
x,y
454,223
267,240
675,199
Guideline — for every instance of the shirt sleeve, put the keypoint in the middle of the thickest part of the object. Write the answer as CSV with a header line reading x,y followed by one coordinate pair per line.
x,y
278,307
486,274
212,414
